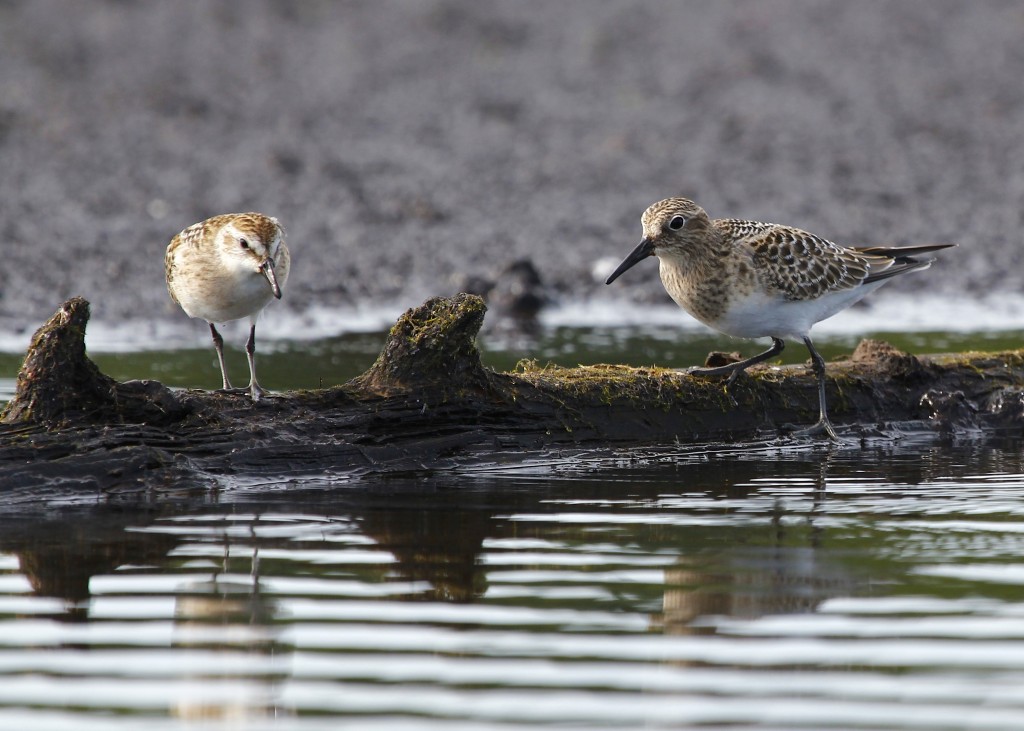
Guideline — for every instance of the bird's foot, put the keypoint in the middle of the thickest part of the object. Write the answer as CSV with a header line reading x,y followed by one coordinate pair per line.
x,y
733,374
824,426
232,390
726,370
257,392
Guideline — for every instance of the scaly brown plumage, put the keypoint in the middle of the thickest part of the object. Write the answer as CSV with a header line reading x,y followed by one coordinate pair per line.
x,y
751,279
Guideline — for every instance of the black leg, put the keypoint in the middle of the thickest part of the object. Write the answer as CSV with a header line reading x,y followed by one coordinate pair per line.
x,y
218,344
734,369
250,351
823,425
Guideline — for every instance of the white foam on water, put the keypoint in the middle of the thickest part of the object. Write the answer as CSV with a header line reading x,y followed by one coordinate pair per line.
x,y
896,313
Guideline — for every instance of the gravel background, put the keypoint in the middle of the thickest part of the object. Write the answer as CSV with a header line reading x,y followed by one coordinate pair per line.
x,y
406,143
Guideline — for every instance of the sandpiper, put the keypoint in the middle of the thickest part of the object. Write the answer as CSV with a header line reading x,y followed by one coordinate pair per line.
x,y
226,268
750,279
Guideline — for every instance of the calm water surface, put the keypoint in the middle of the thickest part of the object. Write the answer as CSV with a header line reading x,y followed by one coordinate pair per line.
x,y
760,587
769,586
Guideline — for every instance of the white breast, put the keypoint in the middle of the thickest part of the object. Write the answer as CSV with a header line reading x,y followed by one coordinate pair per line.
x,y
229,296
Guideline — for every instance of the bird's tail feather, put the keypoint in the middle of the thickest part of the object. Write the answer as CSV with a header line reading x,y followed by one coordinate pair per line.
x,y
900,253
904,259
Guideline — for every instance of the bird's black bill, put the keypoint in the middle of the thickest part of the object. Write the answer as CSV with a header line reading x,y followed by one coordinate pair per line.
x,y
643,250
267,269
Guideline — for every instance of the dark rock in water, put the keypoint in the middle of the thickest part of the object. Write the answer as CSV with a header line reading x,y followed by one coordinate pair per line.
x,y
718,358
1006,407
519,291
892,361
951,411
514,291
473,284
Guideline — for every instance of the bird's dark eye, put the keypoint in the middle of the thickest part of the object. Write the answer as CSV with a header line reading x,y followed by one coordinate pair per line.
x,y
243,243
677,223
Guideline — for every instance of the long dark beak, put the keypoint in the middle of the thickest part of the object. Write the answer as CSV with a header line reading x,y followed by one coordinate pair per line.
x,y
267,269
643,250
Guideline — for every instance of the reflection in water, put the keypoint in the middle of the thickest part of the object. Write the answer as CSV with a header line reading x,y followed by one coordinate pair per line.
x,y
223,614
775,578
787,581
61,551
771,587
436,544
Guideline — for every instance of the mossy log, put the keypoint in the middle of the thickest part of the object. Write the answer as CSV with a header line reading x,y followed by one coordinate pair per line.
x,y
428,404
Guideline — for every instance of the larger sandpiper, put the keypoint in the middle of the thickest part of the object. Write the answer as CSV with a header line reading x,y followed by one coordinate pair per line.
x,y
226,268
751,280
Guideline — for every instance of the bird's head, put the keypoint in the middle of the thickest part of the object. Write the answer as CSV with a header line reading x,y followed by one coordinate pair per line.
x,y
253,242
671,227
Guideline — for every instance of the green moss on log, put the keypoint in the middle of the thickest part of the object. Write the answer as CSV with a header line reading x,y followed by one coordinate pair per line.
x,y
432,350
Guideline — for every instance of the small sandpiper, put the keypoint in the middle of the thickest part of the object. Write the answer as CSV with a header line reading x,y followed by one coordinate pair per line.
x,y
226,268
751,280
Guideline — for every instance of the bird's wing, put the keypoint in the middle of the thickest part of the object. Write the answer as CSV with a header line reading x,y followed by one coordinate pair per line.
x,y
187,240
798,264
171,261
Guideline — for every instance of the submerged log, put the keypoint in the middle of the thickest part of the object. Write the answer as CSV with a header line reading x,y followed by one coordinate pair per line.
x,y
428,403
59,385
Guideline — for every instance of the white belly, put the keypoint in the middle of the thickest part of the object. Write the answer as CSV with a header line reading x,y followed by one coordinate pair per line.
x,y
759,315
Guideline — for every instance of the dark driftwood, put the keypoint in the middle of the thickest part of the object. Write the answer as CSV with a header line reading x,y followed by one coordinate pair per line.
x,y
428,403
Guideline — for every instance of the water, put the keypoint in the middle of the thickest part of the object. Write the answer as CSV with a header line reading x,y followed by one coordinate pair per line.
x,y
759,586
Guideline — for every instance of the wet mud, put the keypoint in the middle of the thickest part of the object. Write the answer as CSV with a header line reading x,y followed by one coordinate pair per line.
x,y
427,147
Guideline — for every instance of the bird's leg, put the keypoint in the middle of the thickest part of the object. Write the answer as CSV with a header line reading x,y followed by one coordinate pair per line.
x,y
250,351
823,425
734,369
218,344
